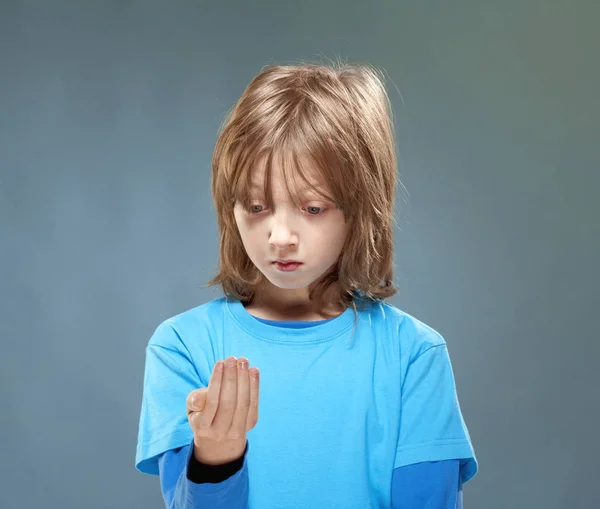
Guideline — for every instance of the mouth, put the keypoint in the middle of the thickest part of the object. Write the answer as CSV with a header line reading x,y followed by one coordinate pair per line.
x,y
286,265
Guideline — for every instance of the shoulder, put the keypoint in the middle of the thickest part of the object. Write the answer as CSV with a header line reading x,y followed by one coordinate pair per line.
x,y
179,329
413,335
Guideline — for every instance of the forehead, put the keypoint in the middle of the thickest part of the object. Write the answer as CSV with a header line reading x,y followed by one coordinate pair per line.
x,y
298,181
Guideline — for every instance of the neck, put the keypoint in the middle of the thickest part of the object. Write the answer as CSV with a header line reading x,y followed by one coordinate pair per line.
x,y
273,303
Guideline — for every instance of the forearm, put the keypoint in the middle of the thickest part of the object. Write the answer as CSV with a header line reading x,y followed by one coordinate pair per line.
x,y
188,484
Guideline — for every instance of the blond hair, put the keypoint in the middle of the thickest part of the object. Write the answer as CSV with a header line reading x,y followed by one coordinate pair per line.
x,y
332,120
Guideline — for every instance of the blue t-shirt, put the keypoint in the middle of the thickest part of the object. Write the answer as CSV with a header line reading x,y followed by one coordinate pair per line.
x,y
338,411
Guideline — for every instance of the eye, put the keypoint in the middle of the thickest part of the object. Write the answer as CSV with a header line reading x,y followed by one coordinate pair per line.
x,y
314,211
255,209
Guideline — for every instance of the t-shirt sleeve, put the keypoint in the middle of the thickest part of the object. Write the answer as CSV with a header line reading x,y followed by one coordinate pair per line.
x,y
169,377
431,423
218,486
431,484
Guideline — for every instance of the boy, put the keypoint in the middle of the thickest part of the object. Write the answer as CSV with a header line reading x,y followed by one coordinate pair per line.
x,y
358,406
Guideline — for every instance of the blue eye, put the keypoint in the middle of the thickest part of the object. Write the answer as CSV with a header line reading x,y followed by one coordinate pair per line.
x,y
314,211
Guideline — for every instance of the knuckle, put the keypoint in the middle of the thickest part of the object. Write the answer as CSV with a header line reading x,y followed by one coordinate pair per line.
x,y
251,422
195,423
200,433
229,404
234,435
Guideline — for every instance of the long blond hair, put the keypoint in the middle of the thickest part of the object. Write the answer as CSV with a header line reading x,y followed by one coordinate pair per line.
x,y
337,121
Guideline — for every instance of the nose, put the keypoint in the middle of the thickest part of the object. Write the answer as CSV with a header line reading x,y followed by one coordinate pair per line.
x,y
282,233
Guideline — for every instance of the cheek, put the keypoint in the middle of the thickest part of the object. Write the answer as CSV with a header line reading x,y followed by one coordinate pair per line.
x,y
242,228
341,232
333,241
250,236
340,242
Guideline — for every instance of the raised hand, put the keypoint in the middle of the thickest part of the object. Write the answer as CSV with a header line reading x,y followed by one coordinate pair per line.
x,y
221,414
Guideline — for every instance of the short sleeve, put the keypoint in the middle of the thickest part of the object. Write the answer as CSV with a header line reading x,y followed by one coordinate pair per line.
x,y
431,423
169,377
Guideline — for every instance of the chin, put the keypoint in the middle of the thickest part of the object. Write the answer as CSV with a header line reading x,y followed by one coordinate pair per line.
x,y
288,281
288,285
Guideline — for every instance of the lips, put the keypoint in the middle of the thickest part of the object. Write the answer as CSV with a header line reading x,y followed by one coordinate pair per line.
x,y
287,265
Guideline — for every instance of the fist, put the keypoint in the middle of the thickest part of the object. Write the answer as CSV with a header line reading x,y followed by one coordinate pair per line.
x,y
221,414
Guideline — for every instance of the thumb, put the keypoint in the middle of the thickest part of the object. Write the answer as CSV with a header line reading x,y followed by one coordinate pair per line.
x,y
196,400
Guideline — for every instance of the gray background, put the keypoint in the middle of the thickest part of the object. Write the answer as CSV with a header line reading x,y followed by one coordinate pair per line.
x,y
109,114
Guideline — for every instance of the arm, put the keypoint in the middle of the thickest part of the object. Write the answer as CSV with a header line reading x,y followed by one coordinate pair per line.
x,y
427,485
188,484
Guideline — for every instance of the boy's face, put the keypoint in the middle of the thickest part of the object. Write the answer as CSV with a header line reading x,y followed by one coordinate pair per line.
x,y
312,235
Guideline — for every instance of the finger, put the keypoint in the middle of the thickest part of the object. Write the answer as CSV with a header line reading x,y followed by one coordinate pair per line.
x,y
252,418
196,400
227,400
213,394
238,424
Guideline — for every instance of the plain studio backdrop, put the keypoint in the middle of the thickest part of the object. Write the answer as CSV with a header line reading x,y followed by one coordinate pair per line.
x,y
109,111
